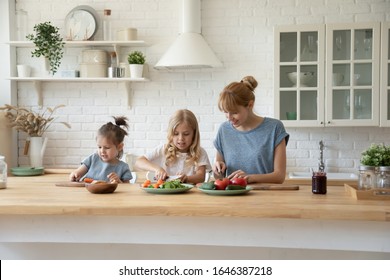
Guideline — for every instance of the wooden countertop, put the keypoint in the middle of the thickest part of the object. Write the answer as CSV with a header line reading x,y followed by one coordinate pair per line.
x,y
38,195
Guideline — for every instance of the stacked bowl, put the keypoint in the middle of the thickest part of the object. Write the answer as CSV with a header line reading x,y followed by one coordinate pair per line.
x,y
94,64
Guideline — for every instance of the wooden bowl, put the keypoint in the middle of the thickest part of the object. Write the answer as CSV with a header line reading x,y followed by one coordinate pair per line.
x,y
100,188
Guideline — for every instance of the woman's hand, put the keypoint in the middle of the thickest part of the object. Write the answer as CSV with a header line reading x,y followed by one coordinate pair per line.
x,y
219,169
238,174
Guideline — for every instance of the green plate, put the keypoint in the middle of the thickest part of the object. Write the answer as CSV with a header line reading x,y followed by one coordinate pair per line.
x,y
227,192
168,191
27,171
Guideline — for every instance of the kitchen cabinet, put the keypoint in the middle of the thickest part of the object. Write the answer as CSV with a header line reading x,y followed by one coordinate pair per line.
x,y
385,76
299,49
117,47
339,75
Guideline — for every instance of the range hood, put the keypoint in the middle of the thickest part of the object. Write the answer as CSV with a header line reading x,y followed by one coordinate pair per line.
x,y
189,50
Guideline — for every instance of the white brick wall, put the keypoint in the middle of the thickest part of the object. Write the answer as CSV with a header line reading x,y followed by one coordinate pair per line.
x,y
241,34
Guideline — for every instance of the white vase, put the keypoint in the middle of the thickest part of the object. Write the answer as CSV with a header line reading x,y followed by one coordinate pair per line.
x,y
37,150
136,70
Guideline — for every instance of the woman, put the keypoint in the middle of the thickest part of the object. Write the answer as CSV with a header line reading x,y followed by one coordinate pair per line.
x,y
248,145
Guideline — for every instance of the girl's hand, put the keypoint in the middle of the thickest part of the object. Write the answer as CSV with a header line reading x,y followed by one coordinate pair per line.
x,y
114,178
160,174
74,176
219,168
183,178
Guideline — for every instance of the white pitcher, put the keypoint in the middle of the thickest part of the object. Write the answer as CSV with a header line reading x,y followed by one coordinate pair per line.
x,y
37,150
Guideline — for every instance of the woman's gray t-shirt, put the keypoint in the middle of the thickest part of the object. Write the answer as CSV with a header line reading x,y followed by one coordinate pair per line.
x,y
251,151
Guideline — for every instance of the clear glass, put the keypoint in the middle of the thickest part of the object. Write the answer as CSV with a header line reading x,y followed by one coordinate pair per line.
x,y
341,105
363,44
367,178
309,46
341,45
3,173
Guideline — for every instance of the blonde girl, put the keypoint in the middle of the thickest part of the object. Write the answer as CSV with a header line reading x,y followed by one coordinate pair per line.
x,y
182,154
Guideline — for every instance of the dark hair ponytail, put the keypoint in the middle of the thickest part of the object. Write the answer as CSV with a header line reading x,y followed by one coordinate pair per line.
x,y
115,132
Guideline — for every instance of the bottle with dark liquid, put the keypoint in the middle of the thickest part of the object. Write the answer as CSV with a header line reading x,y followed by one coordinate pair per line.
x,y
318,183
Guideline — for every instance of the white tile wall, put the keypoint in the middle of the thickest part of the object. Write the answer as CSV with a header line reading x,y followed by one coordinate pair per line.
x,y
241,34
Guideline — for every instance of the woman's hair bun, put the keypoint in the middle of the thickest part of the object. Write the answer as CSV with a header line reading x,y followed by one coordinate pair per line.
x,y
250,82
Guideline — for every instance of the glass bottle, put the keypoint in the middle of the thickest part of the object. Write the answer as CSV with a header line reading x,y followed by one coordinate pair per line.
x,y
367,177
107,32
383,177
318,183
3,173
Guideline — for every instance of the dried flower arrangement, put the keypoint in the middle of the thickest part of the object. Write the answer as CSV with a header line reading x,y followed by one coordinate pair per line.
x,y
33,123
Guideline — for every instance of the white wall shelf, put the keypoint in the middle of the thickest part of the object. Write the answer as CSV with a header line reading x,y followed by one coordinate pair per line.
x,y
116,45
38,84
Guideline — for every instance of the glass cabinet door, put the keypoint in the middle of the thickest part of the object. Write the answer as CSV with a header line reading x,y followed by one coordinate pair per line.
x,y
385,80
352,74
299,68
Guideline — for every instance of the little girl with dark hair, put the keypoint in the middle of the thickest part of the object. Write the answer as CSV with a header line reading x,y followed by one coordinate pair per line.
x,y
105,164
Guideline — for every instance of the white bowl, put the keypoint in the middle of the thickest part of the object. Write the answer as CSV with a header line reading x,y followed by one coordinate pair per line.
x,y
304,78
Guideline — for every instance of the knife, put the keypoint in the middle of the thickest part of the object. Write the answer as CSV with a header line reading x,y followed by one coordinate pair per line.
x,y
70,184
274,187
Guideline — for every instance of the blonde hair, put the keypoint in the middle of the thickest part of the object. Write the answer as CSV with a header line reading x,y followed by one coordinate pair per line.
x,y
237,94
170,150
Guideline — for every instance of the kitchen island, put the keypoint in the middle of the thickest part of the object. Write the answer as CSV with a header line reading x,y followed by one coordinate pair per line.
x,y
40,220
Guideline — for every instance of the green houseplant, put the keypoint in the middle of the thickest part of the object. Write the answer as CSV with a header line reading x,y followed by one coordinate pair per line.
x,y
376,155
49,44
136,61
136,57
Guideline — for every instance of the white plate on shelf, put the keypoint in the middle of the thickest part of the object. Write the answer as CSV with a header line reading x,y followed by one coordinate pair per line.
x,y
81,23
151,175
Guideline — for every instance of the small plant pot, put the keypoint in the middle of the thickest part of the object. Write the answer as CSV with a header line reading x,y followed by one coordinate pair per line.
x,y
136,70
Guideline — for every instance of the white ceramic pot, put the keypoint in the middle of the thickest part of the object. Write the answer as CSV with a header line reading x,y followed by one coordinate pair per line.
x,y
136,70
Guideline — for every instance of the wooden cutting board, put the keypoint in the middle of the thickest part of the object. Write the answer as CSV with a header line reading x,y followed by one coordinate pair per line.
x,y
274,187
70,184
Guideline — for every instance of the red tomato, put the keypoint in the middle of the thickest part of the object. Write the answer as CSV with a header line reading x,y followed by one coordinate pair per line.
x,y
239,181
221,184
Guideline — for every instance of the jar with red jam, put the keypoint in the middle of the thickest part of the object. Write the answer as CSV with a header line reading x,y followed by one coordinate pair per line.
x,y
318,183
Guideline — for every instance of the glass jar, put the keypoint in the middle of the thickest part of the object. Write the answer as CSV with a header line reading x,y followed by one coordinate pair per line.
x,y
107,32
383,177
318,183
3,173
367,177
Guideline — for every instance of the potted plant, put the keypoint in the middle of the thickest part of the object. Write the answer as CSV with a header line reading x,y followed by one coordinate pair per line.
x,y
49,44
376,155
375,168
34,124
136,60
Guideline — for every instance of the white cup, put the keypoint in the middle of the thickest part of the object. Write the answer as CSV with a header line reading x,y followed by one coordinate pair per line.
x,y
23,70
